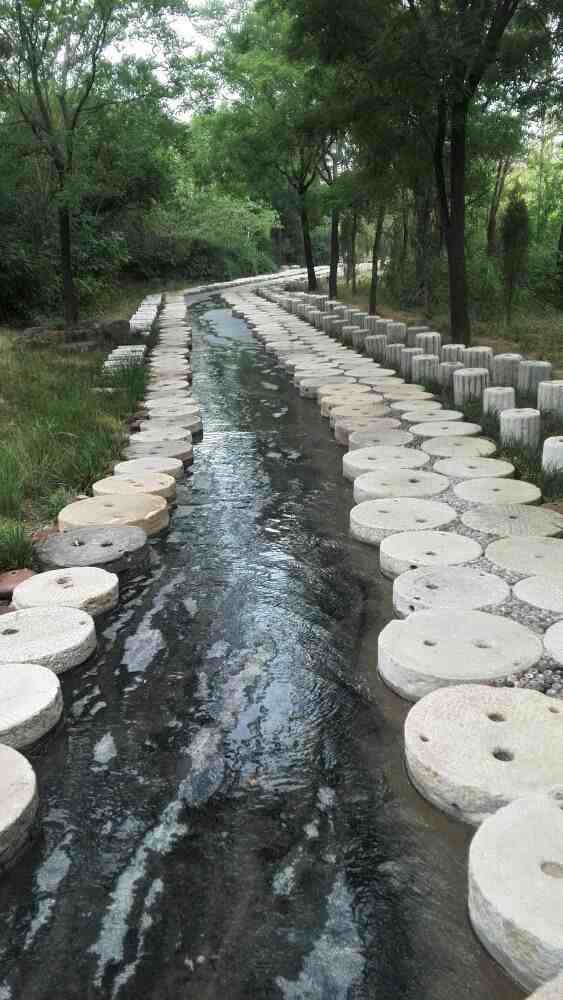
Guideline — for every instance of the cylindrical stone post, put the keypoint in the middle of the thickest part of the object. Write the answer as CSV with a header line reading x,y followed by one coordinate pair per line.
x,y
371,323
328,320
392,357
446,371
369,345
550,397
431,343
381,326
347,333
453,352
379,341
470,384
505,369
530,374
499,398
552,456
478,357
358,338
412,333
337,325
521,426
407,355
396,333
425,368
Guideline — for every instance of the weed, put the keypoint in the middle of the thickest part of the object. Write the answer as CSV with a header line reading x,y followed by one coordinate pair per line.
x,y
16,549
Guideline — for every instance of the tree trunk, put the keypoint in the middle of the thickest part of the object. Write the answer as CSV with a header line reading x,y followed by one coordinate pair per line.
x,y
308,246
334,254
70,295
353,241
560,262
503,168
452,210
423,249
375,260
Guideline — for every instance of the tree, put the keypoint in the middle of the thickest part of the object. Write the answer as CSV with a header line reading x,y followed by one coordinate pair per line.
x,y
515,245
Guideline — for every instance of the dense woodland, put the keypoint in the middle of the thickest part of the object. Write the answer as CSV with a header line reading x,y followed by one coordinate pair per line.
x,y
424,135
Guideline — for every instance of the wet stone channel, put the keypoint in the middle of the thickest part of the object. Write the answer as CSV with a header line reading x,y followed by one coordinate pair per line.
x,y
225,813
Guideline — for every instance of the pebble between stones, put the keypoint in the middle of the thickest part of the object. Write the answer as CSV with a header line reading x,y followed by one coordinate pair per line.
x,y
87,587
390,481
374,520
514,519
142,511
18,803
410,550
462,588
58,638
31,703
161,485
528,556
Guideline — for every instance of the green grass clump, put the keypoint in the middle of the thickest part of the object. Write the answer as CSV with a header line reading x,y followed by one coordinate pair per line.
x,y
16,550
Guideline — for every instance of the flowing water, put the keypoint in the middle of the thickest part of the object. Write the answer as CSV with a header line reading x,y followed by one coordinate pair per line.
x,y
225,814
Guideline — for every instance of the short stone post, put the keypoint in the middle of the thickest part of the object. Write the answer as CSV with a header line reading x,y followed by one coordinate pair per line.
x,y
412,333
505,369
521,426
431,343
396,333
337,325
328,320
478,357
470,384
550,397
499,398
453,352
347,333
371,323
379,341
358,338
369,345
381,326
552,456
392,356
407,355
530,374
446,371
425,368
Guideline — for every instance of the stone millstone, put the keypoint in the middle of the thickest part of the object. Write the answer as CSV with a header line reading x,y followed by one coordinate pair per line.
x,y
58,638
140,466
413,549
525,556
435,649
362,460
87,587
435,428
551,991
406,405
181,450
386,436
128,485
458,447
170,433
143,511
116,549
545,592
514,519
18,803
553,641
493,491
421,414
437,588
390,481
31,703
474,468
374,520
515,887
471,750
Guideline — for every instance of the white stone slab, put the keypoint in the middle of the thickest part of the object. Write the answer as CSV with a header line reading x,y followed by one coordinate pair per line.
x,y
497,491
31,703
514,519
406,405
413,549
421,415
57,638
461,588
553,641
474,468
449,428
545,592
374,520
391,481
140,466
181,450
532,555
86,587
516,887
130,485
361,460
163,436
458,447
18,803
142,511
379,436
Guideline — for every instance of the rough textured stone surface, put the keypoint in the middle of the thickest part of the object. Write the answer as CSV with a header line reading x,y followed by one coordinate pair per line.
x,y
116,549
388,437
158,483
437,428
446,372
143,511
550,397
478,357
505,369
458,447
528,555
435,649
139,466
419,414
515,886
470,384
392,481
551,991
58,638
472,749
10,580
461,588
474,468
182,450
530,374
520,426
374,520
31,703
413,549
544,592
87,587
409,404
552,455
514,519
18,803
553,640
496,399
501,491
424,368
359,461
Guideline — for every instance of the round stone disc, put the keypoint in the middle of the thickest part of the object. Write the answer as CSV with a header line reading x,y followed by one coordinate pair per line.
x,y
553,990
416,415
399,391
408,404
458,447
142,511
58,638
472,749
493,491
374,520
448,428
528,556
171,433
413,549
435,649
31,703
182,450
128,485
553,641
18,803
545,592
390,481
474,468
461,588
87,587
140,466
115,549
514,519
379,436
363,410
359,461
515,887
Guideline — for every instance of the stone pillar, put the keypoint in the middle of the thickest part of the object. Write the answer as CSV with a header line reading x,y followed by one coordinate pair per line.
x,y
425,368
379,341
453,352
371,323
369,345
358,338
530,374
431,343
520,427
328,320
505,369
446,373
550,397
381,326
552,457
392,356
337,325
478,357
407,355
347,333
499,398
412,333
470,384
396,333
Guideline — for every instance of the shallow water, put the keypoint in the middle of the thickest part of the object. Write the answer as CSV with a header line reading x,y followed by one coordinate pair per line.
x,y
225,814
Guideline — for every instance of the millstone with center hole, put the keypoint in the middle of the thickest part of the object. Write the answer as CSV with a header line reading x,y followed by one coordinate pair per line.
x,y
461,588
514,519
169,433
553,990
18,803
118,550
408,404
374,520
434,649
181,450
553,641
31,703
413,549
501,491
516,885
128,485
472,749
87,587
533,555
474,468
140,466
390,481
458,447
435,428
545,592
361,460
380,435
58,638
142,511
418,415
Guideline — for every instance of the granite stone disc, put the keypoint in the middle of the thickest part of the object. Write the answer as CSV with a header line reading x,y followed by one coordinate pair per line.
x,y
139,466
359,461
473,468
545,592
31,703
408,404
374,520
18,803
129,485
435,428
58,638
142,511
533,555
458,447
514,520
553,641
86,587
387,436
390,481
182,450
116,549
413,549
419,415
461,588
502,491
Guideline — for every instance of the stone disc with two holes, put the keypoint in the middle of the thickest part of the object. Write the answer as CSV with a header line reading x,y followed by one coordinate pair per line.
x,y
390,481
545,592
158,483
361,460
31,703
516,887
142,511
374,520
86,587
18,803
474,468
57,638
450,446
435,428
140,466
489,492
435,649
384,436
534,555
472,749
116,549
461,588
413,549
514,520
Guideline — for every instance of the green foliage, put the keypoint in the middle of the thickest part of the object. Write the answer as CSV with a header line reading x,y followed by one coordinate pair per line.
x,y
16,549
515,244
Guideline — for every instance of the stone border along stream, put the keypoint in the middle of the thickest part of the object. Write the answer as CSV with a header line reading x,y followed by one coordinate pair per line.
x,y
102,540
483,657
